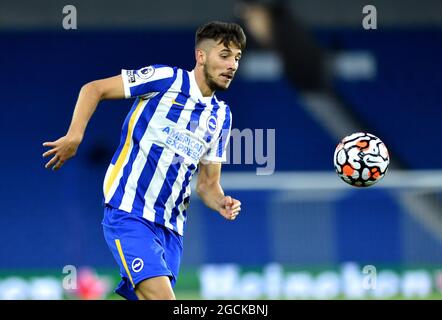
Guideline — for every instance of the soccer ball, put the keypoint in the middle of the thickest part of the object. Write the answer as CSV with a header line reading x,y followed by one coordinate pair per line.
x,y
361,159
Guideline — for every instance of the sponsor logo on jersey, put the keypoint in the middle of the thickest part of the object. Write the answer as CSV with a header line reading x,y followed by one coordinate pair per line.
x,y
184,144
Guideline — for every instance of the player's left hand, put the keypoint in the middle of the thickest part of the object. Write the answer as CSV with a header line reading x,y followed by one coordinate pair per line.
x,y
229,208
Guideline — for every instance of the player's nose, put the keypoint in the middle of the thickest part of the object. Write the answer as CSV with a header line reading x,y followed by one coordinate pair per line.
x,y
233,65
231,69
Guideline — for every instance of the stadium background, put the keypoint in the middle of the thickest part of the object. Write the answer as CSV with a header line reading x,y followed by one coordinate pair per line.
x,y
302,234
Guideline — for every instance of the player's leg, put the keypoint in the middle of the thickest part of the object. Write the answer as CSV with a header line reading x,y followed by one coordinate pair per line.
x,y
156,288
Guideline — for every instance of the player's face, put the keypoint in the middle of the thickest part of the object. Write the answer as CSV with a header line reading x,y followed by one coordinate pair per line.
x,y
221,65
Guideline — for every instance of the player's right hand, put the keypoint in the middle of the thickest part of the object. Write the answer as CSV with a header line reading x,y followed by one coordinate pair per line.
x,y
62,150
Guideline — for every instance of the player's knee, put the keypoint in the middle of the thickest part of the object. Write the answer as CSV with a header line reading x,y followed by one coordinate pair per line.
x,y
155,289
155,295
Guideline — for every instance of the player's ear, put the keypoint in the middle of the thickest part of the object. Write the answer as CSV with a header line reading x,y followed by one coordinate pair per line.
x,y
200,56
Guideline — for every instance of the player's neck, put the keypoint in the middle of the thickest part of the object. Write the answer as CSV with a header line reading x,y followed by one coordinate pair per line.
x,y
200,79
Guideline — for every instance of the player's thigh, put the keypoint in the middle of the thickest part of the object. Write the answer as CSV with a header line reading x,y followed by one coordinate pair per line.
x,y
156,288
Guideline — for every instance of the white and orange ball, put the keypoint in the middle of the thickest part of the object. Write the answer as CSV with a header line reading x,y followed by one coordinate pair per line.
x,y
361,159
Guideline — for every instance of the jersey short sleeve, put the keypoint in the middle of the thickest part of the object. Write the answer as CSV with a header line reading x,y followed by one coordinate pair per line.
x,y
218,150
147,80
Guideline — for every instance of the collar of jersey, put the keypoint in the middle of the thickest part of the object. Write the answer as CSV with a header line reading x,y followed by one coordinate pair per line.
x,y
195,90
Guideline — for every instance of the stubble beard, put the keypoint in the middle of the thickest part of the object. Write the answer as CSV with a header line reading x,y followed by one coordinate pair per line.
x,y
211,83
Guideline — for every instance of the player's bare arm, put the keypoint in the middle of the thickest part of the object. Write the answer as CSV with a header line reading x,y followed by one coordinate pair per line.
x,y
90,95
211,193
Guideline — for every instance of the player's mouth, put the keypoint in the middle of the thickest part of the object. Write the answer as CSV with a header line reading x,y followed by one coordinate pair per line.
x,y
227,76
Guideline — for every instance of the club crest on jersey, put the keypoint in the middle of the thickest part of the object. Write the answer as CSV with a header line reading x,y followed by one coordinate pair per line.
x,y
211,124
146,72
137,265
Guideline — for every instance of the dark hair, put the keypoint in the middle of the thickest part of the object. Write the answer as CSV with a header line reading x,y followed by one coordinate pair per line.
x,y
222,32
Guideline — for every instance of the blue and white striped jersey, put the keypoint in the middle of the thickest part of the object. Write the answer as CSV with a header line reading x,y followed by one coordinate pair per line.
x,y
169,130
